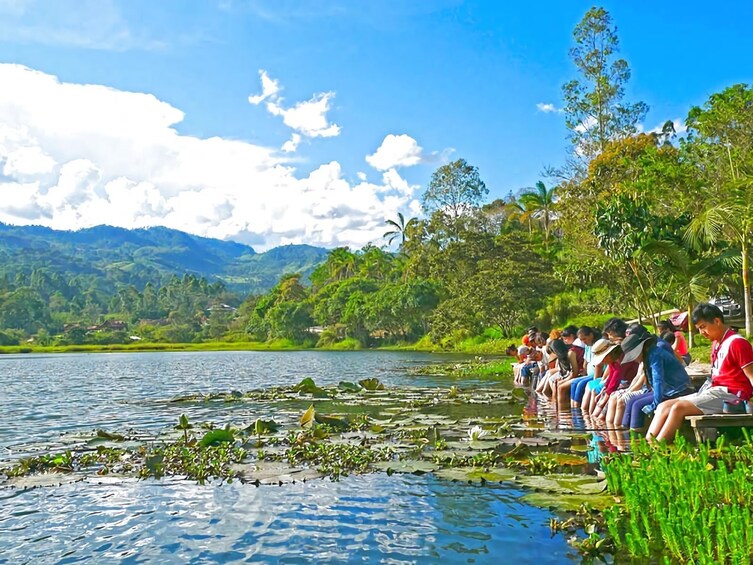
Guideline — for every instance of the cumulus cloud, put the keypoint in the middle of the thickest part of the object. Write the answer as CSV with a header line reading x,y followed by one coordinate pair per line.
x,y
291,144
308,118
78,155
396,151
547,107
269,88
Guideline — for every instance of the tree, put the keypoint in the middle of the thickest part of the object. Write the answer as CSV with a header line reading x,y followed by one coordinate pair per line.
x,y
540,202
595,112
455,189
399,229
723,129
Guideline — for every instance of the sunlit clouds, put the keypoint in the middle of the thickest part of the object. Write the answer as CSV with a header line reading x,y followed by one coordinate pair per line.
x,y
78,155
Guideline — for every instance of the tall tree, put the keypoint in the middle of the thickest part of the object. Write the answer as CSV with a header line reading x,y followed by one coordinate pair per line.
x,y
455,190
595,112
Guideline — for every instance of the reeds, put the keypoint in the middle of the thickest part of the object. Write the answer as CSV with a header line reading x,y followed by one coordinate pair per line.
x,y
686,503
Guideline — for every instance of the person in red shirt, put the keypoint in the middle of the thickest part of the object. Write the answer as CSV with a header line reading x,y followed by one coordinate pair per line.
x,y
731,376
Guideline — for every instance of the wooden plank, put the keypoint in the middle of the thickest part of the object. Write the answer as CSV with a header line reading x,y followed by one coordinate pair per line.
x,y
721,420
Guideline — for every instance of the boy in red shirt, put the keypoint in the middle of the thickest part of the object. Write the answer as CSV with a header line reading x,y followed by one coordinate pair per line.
x,y
731,376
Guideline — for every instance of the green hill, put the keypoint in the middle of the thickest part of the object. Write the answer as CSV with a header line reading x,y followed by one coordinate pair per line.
x,y
117,256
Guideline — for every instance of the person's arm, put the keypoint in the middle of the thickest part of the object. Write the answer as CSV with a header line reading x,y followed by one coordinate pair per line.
x,y
657,381
748,370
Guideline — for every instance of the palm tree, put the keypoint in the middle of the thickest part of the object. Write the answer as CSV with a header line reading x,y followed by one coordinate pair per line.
x,y
538,203
398,228
692,276
729,217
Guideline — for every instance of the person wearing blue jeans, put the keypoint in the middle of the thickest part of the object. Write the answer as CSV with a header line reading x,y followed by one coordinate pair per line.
x,y
578,385
665,374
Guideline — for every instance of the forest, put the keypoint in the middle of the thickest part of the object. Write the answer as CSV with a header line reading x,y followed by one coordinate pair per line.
x,y
634,222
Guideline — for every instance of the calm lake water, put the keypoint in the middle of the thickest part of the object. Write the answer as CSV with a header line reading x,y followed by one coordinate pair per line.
x,y
371,519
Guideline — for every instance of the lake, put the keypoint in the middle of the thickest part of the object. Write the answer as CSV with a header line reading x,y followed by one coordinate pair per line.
x,y
368,518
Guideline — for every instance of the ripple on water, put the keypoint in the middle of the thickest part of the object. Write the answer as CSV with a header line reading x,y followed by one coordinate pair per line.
x,y
372,518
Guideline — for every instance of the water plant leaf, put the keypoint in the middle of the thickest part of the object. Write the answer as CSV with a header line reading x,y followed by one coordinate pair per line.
x,y
371,384
183,423
333,421
215,437
265,426
567,502
414,467
308,386
109,435
346,386
476,474
564,483
307,420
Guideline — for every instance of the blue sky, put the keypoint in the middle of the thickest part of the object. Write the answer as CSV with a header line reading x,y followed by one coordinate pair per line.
x,y
453,78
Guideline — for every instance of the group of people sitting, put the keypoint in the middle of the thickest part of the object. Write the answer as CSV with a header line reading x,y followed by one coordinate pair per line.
x,y
620,375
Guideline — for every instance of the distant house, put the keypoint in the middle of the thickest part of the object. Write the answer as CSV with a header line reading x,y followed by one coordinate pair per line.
x,y
113,325
221,308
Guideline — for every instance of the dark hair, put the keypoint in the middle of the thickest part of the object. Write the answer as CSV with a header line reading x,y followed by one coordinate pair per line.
x,y
669,337
667,326
561,350
707,312
570,330
511,348
636,328
586,330
616,326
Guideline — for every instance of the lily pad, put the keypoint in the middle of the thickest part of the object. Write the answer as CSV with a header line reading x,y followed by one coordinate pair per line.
x,y
564,484
371,384
567,502
476,474
215,437
410,466
346,386
43,480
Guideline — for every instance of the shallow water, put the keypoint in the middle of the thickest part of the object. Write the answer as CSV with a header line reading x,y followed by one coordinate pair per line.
x,y
371,518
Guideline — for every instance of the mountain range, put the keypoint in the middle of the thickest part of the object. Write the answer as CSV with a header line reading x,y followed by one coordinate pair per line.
x,y
117,256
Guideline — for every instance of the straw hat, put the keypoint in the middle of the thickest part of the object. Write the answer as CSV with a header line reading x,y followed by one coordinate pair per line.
x,y
601,349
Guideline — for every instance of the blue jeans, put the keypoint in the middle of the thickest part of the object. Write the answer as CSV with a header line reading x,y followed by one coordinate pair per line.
x,y
634,416
578,388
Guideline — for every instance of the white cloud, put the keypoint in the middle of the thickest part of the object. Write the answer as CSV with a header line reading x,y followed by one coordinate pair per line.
x,y
269,88
307,118
75,155
361,175
396,151
548,108
291,144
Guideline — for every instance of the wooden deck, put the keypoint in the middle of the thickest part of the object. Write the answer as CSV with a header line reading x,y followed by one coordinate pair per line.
x,y
707,426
